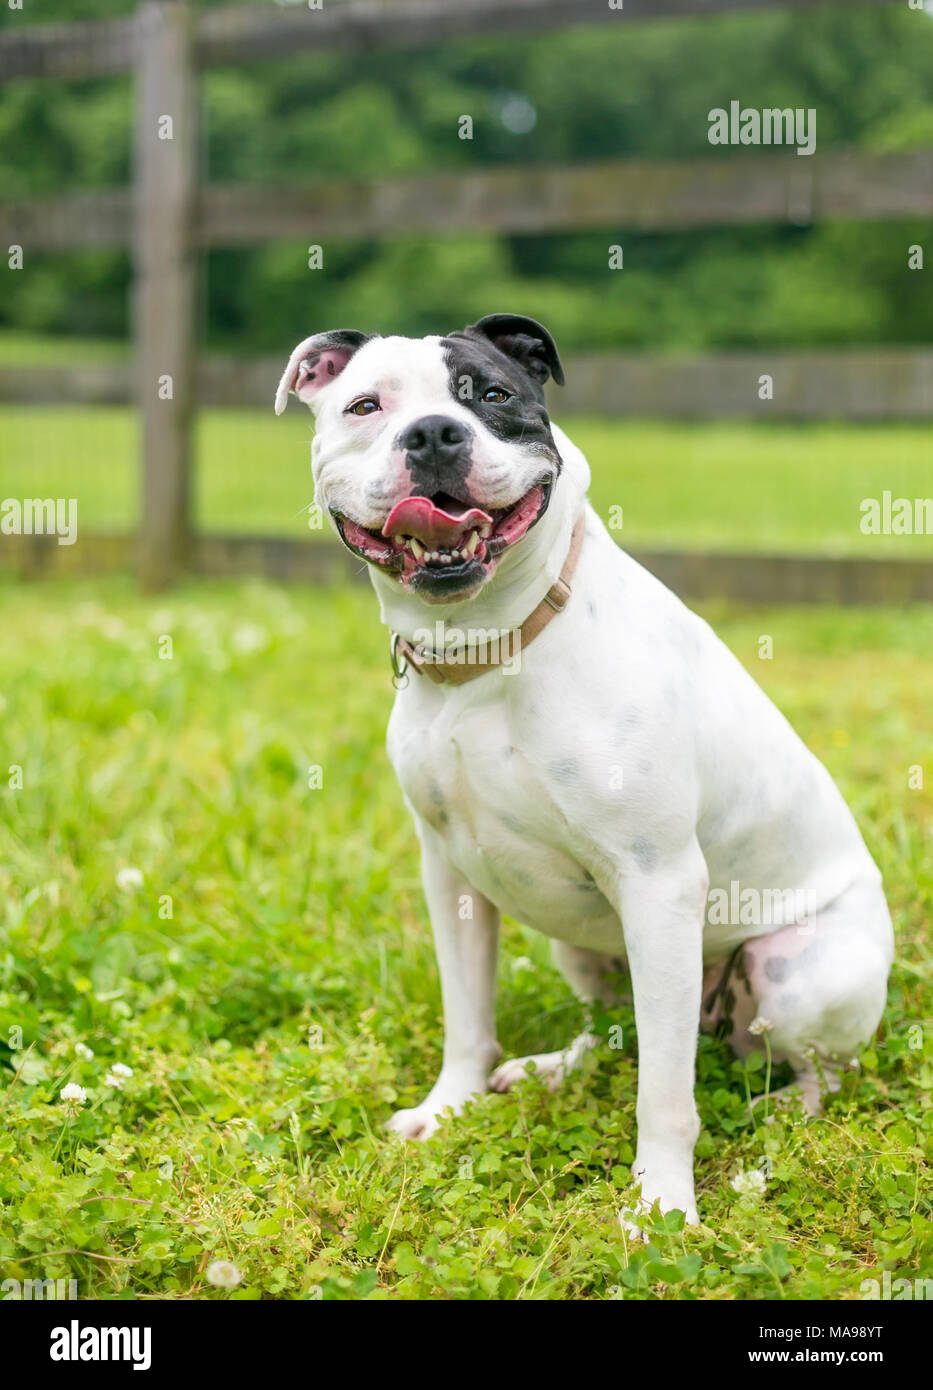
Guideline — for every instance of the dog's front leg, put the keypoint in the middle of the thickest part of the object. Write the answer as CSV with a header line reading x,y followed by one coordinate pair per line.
x,y
663,910
466,940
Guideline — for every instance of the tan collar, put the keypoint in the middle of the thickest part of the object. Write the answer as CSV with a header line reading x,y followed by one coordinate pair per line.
x,y
405,656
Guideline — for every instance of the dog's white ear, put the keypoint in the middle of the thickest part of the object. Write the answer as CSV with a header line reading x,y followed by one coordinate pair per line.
x,y
316,362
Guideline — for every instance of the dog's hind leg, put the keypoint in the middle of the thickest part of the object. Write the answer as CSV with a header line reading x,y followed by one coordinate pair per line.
x,y
817,990
588,973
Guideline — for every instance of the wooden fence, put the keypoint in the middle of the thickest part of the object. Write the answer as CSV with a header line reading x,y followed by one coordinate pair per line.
x,y
98,48
851,384
754,577
641,196
167,219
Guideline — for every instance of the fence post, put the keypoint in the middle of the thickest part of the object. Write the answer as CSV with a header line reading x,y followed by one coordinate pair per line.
x,y
165,186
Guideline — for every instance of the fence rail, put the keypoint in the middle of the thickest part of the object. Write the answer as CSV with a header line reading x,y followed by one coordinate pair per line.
x,y
744,578
850,384
854,384
620,194
630,194
99,48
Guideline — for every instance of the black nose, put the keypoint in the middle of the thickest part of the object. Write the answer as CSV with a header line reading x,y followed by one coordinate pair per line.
x,y
433,438
437,453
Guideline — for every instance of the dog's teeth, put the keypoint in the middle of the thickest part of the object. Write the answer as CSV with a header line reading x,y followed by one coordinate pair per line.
x,y
485,529
416,548
446,559
472,543
434,555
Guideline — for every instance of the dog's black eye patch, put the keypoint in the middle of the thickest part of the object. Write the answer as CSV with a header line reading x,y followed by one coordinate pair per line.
x,y
476,368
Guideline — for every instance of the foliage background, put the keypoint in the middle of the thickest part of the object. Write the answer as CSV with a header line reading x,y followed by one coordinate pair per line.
x,y
592,93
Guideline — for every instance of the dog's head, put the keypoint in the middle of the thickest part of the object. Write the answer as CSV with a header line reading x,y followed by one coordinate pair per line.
x,y
434,456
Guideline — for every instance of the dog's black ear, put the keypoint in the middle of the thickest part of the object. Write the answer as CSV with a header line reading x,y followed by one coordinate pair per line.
x,y
315,362
527,341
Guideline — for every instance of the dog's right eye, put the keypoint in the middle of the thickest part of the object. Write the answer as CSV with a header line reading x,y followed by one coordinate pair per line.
x,y
366,405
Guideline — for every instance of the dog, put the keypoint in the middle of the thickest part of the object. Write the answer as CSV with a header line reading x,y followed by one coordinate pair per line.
x,y
619,783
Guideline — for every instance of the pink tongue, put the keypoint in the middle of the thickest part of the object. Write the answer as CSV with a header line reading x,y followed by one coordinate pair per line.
x,y
418,516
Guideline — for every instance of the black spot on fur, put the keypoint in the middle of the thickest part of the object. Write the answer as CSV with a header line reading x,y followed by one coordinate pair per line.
x,y
646,854
776,969
564,769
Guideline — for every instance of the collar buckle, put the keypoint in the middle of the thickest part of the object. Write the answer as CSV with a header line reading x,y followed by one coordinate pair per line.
x,y
558,595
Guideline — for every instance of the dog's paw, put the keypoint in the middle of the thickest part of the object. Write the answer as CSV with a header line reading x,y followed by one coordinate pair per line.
x,y
418,1123
670,1192
454,1087
545,1064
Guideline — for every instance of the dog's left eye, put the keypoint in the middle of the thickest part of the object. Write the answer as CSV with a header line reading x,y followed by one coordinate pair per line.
x,y
496,395
365,406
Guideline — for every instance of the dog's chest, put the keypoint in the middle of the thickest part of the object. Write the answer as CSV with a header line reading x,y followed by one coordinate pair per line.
x,y
493,796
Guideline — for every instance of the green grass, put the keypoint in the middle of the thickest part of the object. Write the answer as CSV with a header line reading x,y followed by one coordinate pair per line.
x,y
289,1002
706,486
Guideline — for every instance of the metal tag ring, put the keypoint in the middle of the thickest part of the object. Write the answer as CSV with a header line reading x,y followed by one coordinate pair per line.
x,y
399,665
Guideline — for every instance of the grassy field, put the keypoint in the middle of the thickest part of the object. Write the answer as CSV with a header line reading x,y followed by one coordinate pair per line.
x,y
267,975
740,486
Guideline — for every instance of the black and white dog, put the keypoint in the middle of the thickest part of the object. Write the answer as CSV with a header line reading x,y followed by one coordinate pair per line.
x,y
619,783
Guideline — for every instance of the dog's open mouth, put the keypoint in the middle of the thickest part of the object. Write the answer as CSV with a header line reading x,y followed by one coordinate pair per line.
x,y
441,540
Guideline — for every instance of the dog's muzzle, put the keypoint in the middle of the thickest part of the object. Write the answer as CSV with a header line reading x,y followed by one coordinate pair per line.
x,y
441,546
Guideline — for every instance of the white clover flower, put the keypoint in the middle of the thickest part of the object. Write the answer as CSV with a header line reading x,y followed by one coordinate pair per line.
x,y
83,1051
129,879
116,1075
72,1095
760,1025
223,1274
751,1183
